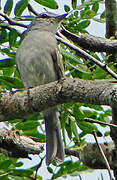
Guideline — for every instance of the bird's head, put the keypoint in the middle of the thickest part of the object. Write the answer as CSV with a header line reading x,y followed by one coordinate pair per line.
x,y
48,21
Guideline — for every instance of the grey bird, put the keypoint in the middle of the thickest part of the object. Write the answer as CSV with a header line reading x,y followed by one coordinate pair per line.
x,y
39,62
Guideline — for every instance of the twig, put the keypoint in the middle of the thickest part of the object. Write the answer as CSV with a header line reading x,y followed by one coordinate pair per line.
x,y
105,159
100,122
38,166
86,56
12,22
71,152
30,8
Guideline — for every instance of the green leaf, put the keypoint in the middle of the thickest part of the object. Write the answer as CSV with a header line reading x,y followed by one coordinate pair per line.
x,y
83,24
74,129
13,37
50,169
99,73
103,15
8,52
48,3
28,125
69,167
11,82
78,113
23,172
74,4
86,127
3,36
87,14
5,164
8,7
95,7
66,8
8,62
68,128
20,7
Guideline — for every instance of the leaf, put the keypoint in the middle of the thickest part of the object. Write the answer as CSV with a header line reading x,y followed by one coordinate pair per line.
x,y
13,37
87,14
74,4
99,73
23,172
8,52
66,8
7,62
20,7
78,113
11,82
103,15
74,129
95,7
69,167
86,127
3,36
68,128
83,24
5,164
50,170
8,7
48,3
28,125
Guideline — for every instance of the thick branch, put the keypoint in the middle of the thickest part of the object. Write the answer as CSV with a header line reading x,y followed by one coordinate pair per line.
x,y
24,103
15,145
92,43
91,156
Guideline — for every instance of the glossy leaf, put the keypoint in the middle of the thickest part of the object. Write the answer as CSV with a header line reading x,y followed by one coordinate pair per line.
x,y
95,7
66,8
20,7
3,36
8,62
87,14
83,24
99,73
8,7
103,15
11,82
86,127
13,37
50,3
74,4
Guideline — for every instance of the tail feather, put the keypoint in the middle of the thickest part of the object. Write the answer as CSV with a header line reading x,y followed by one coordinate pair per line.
x,y
54,144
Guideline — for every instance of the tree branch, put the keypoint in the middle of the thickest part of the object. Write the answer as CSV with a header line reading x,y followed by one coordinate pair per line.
x,y
24,103
103,155
12,22
100,122
92,43
15,145
86,56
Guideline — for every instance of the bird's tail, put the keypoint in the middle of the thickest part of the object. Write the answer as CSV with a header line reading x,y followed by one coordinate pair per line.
x,y
54,144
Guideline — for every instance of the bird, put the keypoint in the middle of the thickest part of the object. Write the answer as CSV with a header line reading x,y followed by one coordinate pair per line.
x,y
39,62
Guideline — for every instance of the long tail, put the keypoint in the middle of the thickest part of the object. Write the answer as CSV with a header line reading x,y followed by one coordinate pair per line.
x,y
54,144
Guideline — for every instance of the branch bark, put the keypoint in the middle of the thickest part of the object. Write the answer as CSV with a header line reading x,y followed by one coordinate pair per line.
x,y
92,43
15,145
23,103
